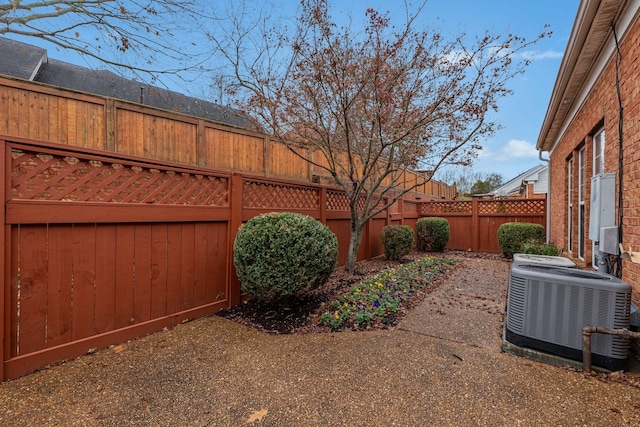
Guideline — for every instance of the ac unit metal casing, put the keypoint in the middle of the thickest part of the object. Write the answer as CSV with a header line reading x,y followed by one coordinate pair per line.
x,y
556,261
547,307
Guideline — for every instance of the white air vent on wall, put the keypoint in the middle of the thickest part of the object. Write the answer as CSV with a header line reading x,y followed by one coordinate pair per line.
x,y
548,306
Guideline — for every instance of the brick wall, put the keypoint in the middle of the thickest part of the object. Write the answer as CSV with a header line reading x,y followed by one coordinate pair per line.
x,y
600,109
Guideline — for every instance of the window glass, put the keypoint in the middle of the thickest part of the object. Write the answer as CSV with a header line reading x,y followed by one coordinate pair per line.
x,y
570,205
598,152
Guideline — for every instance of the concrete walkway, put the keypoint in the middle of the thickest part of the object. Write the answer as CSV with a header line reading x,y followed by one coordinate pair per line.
x,y
441,366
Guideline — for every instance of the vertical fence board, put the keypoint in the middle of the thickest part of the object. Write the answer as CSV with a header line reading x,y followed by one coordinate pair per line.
x,y
63,118
23,120
158,270
124,275
60,275
150,137
105,277
142,278
341,228
4,109
174,262
216,274
32,288
200,264
84,276
186,267
71,117
11,305
54,119
375,244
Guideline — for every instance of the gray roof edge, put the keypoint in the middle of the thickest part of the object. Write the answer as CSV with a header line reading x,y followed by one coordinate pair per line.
x,y
43,60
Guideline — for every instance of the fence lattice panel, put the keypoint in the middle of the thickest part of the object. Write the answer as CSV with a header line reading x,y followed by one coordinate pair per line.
x,y
44,176
525,206
432,208
339,201
279,196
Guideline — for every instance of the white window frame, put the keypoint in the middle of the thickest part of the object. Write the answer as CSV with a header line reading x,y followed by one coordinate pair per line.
x,y
598,169
582,189
570,205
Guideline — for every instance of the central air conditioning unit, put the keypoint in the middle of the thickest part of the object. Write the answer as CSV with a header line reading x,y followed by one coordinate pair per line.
x,y
547,307
556,261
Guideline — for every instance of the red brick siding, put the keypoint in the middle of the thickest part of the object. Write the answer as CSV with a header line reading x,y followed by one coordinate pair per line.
x,y
602,105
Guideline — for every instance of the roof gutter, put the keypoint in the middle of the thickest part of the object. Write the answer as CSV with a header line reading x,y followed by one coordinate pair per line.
x,y
590,32
548,219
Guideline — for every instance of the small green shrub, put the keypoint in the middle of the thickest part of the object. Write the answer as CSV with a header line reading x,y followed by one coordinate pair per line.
x,y
277,255
398,241
433,234
538,247
511,236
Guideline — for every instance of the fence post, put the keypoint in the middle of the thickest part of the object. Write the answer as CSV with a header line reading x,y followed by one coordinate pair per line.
x,y
235,221
201,152
5,254
475,225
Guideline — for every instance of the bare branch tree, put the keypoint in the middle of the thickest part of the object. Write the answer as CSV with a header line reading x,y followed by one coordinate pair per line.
x,y
369,104
137,35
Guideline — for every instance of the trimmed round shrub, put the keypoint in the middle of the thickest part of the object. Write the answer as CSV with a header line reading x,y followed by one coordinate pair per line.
x,y
398,241
433,234
277,255
511,236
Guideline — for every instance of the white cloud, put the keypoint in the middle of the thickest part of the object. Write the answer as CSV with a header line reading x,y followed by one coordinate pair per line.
x,y
518,149
534,55
484,152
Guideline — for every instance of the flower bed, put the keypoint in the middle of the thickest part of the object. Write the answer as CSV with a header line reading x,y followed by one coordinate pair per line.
x,y
378,298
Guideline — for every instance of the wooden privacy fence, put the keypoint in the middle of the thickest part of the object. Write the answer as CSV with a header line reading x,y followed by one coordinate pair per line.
x,y
474,223
101,248
124,223
47,113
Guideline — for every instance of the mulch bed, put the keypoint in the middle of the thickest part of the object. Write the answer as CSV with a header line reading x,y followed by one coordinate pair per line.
x,y
302,313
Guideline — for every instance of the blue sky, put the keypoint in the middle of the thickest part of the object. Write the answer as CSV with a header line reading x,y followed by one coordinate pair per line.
x,y
511,150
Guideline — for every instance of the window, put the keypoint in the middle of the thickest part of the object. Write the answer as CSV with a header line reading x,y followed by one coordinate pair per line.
x,y
569,205
598,152
598,169
581,194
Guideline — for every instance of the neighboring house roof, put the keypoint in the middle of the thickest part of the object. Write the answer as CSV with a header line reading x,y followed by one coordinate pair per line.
x,y
538,176
31,63
20,60
589,45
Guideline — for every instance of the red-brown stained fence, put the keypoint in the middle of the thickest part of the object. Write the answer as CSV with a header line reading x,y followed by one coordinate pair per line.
x,y
474,223
101,248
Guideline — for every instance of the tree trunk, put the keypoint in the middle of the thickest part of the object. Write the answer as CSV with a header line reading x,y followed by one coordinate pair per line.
x,y
354,244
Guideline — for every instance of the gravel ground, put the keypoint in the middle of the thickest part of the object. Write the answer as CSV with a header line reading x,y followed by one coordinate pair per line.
x,y
441,365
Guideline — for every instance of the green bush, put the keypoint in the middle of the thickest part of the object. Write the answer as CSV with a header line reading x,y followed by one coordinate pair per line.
x,y
433,234
398,241
538,247
511,236
277,255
